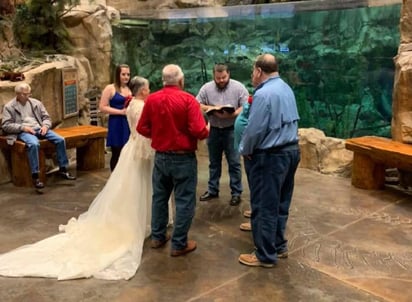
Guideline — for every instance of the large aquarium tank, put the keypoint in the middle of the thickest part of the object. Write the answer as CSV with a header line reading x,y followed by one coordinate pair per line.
x,y
336,55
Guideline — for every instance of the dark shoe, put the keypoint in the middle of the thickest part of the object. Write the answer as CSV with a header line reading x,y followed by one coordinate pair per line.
x,y
252,260
283,255
190,247
235,200
208,196
159,243
66,175
38,184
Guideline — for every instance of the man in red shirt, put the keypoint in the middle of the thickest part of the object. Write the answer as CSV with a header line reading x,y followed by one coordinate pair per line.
x,y
173,120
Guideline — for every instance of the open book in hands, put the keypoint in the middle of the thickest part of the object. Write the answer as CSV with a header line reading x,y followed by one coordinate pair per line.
x,y
221,109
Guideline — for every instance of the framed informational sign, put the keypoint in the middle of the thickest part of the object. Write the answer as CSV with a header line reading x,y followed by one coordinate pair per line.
x,y
70,100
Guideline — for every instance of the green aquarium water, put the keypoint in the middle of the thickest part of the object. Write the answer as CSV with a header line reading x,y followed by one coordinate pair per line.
x,y
338,59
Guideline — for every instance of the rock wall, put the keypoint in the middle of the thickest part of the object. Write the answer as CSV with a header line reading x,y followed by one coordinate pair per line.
x,y
324,154
89,27
90,32
125,6
402,96
6,7
402,91
7,47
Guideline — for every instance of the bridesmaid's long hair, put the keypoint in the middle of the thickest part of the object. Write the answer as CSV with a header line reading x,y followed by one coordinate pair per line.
x,y
118,70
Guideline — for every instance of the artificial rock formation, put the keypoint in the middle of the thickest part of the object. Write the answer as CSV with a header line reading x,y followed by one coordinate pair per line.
x,y
402,96
90,32
125,6
402,90
323,154
89,28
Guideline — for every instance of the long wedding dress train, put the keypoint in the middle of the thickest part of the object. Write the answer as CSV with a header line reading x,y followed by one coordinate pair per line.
x,y
105,242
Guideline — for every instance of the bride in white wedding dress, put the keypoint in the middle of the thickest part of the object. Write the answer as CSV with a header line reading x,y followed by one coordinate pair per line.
x,y
105,242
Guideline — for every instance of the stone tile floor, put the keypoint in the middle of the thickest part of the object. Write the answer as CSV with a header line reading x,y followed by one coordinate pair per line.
x,y
345,244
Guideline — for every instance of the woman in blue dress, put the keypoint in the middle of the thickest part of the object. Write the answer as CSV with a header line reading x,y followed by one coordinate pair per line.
x,y
112,102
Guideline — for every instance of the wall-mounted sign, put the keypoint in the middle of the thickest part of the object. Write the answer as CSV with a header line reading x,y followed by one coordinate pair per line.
x,y
70,102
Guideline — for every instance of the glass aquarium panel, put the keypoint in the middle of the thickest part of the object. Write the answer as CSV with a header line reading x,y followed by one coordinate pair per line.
x,y
338,60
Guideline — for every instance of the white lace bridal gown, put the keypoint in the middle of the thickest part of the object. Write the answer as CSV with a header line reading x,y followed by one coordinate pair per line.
x,y
106,241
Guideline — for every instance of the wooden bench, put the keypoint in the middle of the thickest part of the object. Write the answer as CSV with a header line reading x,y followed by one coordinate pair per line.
x,y
88,140
372,156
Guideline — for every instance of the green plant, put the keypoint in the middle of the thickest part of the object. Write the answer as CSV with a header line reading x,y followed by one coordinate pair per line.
x,y
38,25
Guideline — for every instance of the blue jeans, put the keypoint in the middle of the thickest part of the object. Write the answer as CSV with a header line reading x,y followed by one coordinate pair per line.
x,y
176,172
33,146
219,141
271,180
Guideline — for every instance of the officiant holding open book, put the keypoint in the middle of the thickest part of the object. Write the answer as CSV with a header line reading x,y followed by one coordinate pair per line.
x,y
222,100
221,109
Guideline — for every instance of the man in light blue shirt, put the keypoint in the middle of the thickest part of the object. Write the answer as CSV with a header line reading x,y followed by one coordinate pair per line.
x,y
270,146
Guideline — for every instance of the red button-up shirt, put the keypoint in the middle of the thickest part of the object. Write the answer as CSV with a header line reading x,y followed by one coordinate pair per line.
x,y
172,118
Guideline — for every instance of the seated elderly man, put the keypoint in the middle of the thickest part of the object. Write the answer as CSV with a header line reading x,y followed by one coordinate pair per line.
x,y
26,119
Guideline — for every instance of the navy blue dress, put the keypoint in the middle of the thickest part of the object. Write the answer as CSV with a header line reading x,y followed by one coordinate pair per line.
x,y
118,128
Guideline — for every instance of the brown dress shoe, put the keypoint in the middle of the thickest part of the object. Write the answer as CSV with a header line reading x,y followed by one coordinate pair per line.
x,y
190,247
159,243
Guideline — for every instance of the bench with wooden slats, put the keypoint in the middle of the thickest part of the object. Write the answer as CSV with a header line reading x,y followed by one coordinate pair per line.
x,y
372,156
88,141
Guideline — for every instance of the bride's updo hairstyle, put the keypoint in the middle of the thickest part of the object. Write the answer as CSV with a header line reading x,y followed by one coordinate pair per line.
x,y
136,83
